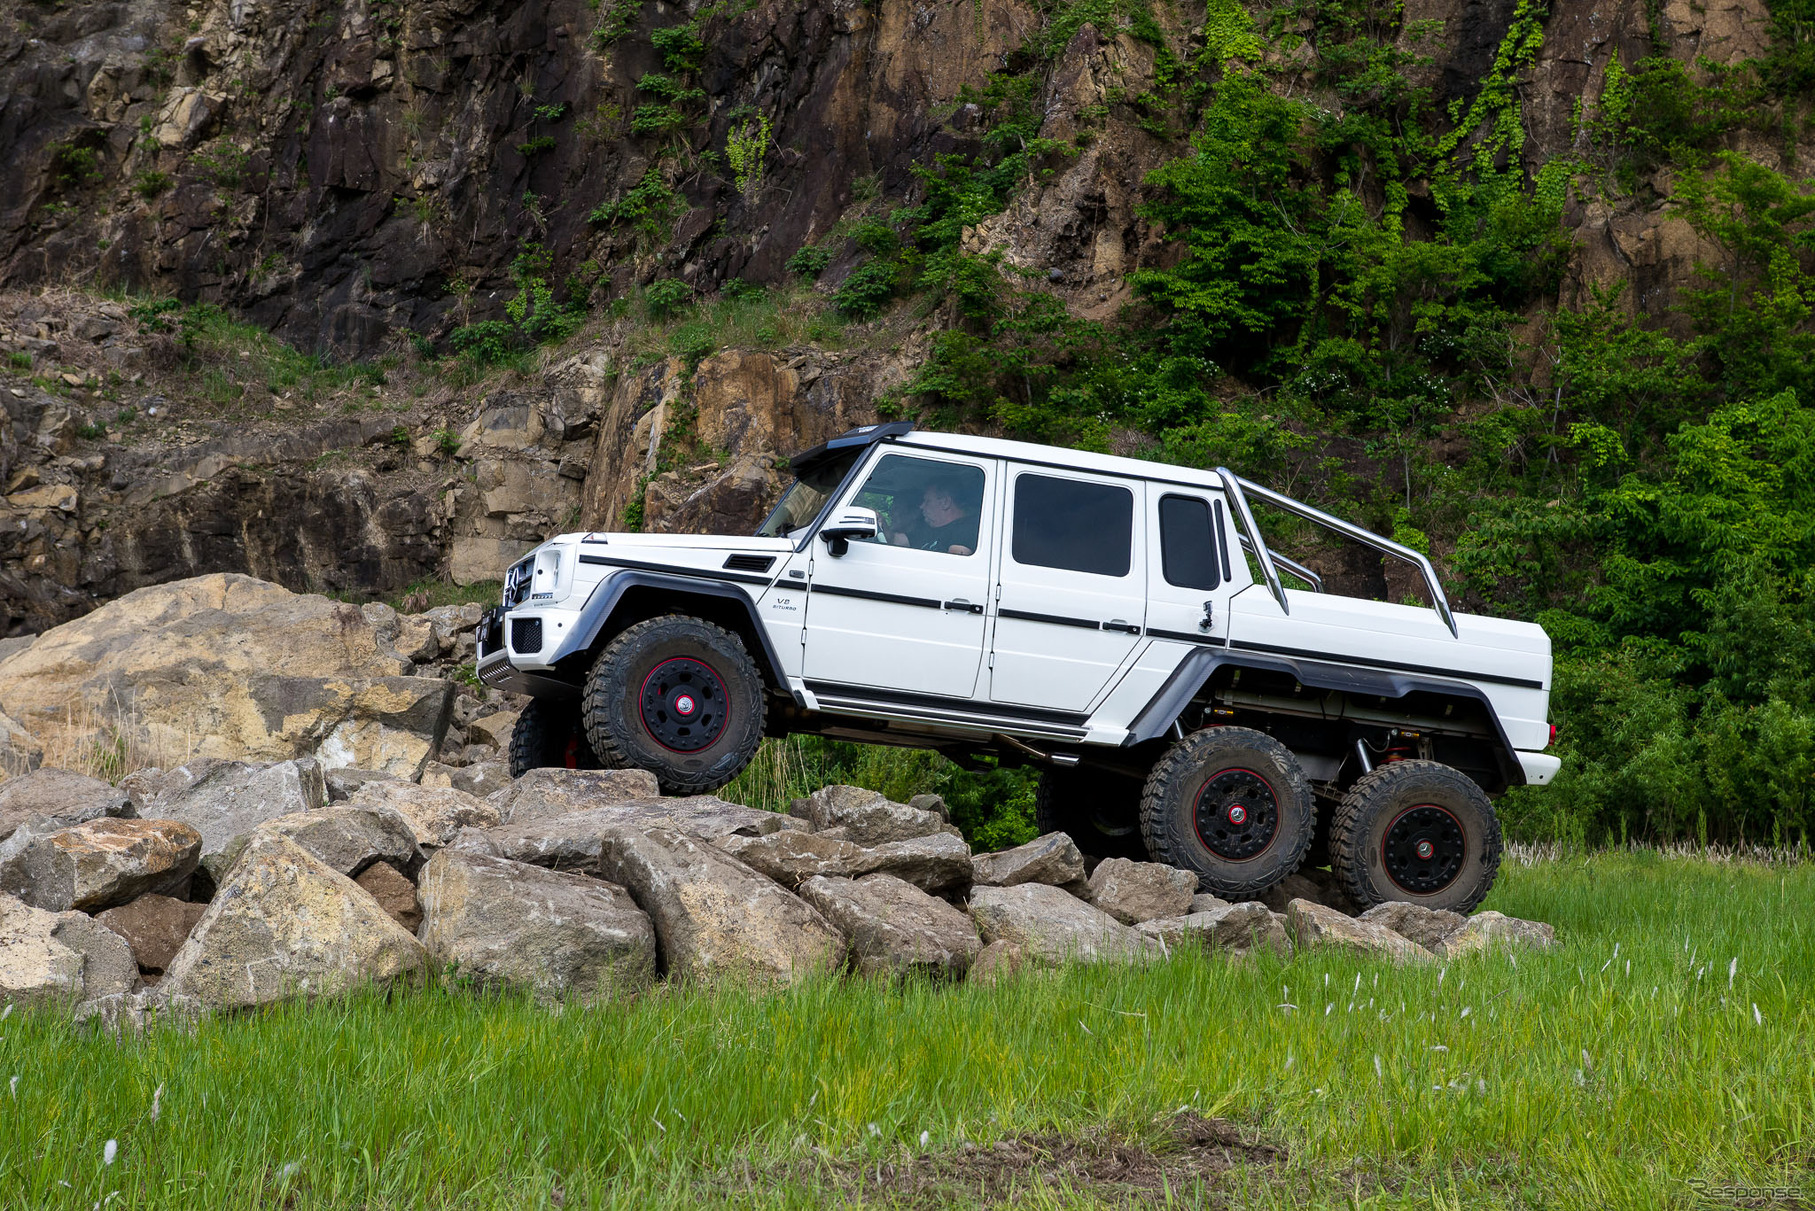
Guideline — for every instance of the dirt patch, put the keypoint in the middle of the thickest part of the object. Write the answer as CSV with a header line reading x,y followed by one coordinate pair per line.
x,y
1115,1168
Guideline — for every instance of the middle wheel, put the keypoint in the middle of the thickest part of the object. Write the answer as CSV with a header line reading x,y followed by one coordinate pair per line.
x,y
679,697
1233,805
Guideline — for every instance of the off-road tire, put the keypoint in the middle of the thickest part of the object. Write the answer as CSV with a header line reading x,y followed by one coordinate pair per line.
x,y
1218,770
1098,810
1388,814
550,734
639,686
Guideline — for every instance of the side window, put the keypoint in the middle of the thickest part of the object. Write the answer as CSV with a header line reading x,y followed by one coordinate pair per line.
x,y
1074,526
924,503
1188,554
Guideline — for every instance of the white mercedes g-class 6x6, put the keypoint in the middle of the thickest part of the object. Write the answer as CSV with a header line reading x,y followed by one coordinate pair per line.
x,y
1121,624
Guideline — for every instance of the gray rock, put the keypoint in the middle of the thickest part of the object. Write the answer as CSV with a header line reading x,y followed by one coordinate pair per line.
x,y
931,803
997,961
1425,926
715,917
155,928
55,957
346,836
1203,901
1133,891
1234,927
1052,859
343,784
136,1012
938,862
574,841
543,794
559,935
895,927
20,751
1312,884
481,779
1317,925
99,863
865,816
1052,926
224,800
285,924
1491,930
436,814
62,796
394,893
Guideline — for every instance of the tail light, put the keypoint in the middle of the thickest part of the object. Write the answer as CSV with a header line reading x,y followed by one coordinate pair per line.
x,y
1553,736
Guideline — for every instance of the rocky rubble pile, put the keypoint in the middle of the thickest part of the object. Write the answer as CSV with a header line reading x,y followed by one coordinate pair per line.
x,y
223,886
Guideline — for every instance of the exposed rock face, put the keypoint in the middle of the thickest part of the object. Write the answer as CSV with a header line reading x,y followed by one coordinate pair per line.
x,y
155,928
865,816
1053,926
301,676
574,841
716,918
937,862
543,794
481,779
47,957
20,752
559,935
1052,859
1487,930
1234,927
394,893
224,800
1425,926
62,796
1132,892
286,924
347,837
893,926
343,784
101,863
1314,925
435,814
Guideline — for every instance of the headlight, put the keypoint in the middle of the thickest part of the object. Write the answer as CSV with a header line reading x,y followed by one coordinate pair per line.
x,y
552,577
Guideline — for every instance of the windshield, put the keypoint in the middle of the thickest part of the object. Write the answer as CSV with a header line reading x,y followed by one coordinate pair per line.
x,y
807,495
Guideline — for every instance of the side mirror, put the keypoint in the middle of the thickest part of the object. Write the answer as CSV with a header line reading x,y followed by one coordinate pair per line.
x,y
849,523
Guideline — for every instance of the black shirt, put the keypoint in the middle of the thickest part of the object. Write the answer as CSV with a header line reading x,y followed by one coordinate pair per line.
x,y
959,532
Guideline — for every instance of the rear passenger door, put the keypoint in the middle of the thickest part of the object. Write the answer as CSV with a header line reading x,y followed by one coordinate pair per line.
x,y
1191,570
1071,586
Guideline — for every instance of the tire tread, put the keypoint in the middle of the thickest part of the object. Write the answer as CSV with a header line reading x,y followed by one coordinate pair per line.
x,y
1348,830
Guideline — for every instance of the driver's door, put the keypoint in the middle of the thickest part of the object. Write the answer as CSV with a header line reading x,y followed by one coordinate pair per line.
x,y
890,615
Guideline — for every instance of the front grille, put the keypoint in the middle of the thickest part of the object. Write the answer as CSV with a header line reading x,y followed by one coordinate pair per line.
x,y
516,583
526,635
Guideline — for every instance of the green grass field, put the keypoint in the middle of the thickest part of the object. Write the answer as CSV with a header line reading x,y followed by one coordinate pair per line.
x,y
1669,1040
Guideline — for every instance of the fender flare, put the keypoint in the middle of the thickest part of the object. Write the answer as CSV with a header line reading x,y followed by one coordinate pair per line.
x,y
609,592
1196,669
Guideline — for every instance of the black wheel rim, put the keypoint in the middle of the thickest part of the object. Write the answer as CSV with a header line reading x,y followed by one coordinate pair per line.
x,y
683,704
1237,815
1423,849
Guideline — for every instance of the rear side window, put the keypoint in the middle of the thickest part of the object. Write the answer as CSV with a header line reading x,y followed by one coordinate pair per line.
x,y
1073,526
1188,543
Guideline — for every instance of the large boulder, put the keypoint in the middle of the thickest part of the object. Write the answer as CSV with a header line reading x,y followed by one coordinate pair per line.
x,y
1052,859
1318,925
51,957
715,917
101,863
155,928
394,893
865,817
1425,926
345,782
893,926
59,795
558,935
436,814
1491,930
230,666
1239,928
1053,926
543,794
286,924
936,862
480,779
575,841
20,751
346,836
224,800
1132,892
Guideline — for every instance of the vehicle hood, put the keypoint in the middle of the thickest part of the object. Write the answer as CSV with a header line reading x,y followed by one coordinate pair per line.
x,y
646,544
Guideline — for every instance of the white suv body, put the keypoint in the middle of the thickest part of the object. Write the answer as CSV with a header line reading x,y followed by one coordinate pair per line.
x,y
988,644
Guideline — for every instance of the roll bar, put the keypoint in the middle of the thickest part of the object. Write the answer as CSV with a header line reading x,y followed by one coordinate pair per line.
x,y
1238,489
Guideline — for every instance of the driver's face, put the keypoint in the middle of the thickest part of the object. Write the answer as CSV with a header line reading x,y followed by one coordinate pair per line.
x,y
938,508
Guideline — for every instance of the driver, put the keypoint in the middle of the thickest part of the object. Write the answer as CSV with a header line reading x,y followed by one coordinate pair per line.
x,y
945,523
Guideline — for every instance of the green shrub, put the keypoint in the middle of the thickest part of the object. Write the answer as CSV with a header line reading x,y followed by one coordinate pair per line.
x,y
866,290
666,298
150,183
488,342
810,260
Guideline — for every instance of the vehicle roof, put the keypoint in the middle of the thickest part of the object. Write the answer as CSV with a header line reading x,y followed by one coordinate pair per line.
x,y
1058,456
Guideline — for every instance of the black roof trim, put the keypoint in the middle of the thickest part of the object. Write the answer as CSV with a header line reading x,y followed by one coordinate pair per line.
x,y
867,435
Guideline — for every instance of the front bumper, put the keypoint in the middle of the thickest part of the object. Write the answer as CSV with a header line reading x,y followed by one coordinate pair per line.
x,y
515,647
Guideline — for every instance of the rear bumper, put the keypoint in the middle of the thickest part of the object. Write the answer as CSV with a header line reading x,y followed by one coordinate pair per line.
x,y
1539,768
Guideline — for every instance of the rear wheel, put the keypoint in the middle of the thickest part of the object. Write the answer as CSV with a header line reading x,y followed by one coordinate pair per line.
x,y
1419,832
1231,804
550,734
679,697
1098,810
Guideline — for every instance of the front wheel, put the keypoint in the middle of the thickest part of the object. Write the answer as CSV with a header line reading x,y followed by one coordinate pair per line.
x,y
550,734
679,697
1233,805
1416,831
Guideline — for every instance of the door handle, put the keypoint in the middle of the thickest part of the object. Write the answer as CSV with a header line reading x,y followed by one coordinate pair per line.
x,y
959,603
1117,624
